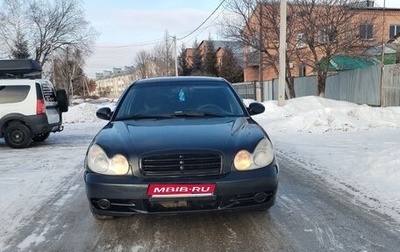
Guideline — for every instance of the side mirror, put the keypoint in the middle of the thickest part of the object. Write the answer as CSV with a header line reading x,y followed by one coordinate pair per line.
x,y
104,113
255,108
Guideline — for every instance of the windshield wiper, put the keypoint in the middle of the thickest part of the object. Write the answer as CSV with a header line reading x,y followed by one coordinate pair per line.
x,y
195,114
143,116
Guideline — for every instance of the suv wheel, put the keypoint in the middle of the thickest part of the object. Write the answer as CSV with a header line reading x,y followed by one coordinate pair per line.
x,y
17,135
41,137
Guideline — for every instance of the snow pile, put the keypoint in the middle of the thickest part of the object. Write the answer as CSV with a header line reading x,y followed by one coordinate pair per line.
x,y
85,112
318,115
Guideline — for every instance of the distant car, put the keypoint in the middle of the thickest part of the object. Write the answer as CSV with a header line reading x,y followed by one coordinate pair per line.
x,y
180,144
30,107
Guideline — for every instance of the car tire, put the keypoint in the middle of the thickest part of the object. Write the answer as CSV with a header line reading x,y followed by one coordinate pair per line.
x,y
41,137
102,217
17,135
62,99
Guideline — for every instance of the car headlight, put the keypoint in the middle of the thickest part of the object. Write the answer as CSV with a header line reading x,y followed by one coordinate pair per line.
x,y
262,156
99,162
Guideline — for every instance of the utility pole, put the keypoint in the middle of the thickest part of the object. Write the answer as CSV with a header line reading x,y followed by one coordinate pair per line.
x,y
382,96
282,55
258,93
176,57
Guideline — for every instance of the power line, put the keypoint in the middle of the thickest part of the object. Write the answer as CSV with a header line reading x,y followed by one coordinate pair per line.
x,y
155,41
208,26
212,13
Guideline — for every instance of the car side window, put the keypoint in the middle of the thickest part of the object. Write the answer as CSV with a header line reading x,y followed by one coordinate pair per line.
x,y
13,93
48,93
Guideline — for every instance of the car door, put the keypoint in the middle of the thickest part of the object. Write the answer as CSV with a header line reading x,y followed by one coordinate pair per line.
x,y
50,101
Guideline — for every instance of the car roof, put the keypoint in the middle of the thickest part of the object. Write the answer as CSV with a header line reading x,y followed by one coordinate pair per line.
x,y
180,79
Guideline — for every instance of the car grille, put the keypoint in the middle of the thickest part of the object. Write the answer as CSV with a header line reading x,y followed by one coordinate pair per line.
x,y
192,164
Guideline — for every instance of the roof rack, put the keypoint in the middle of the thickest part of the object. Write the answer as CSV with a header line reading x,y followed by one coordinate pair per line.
x,y
20,69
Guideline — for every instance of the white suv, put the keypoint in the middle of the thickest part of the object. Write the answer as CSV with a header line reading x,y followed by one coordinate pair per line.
x,y
30,109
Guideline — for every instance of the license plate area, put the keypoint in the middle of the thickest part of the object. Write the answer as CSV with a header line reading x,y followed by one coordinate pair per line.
x,y
176,191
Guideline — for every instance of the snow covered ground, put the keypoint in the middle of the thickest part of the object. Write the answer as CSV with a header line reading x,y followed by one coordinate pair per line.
x,y
352,147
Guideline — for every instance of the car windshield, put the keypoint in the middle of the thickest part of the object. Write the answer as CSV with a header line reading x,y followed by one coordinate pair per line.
x,y
163,100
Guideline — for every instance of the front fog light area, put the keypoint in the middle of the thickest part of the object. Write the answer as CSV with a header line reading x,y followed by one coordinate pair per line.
x,y
99,162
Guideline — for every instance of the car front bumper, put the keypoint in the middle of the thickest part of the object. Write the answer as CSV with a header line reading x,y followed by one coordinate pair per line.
x,y
127,195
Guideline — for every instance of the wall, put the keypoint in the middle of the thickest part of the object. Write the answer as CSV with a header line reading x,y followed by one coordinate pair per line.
x,y
361,86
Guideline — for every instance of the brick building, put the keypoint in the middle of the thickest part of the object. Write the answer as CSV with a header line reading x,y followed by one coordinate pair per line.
x,y
375,26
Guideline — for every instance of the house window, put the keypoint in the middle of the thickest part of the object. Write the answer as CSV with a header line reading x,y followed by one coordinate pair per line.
x,y
302,70
394,30
327,35
366,31
301,41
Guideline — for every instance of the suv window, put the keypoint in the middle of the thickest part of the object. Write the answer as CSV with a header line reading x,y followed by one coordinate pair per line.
x,y
48,93
13,94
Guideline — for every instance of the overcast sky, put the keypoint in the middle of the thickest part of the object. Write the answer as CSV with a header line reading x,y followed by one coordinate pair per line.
x,y
128,26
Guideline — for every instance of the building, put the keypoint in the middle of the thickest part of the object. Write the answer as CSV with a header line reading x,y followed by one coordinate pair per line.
x,y
219,46
367,26
113,83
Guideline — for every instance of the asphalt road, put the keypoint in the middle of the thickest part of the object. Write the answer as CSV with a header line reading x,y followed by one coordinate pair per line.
x,y
308,216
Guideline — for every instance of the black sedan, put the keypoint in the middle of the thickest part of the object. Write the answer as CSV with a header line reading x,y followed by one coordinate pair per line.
x,y
180,144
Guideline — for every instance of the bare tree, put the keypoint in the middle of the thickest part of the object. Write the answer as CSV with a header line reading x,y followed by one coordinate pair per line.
x,y
144,64
163,56
47,25
68,71
12,23
317,30
255,24
329,28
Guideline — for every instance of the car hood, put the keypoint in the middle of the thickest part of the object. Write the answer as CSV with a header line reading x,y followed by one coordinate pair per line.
x,y
138,137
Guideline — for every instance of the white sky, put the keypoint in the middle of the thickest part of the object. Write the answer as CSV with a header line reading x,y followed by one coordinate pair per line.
x,y
127,27
352,147
387,3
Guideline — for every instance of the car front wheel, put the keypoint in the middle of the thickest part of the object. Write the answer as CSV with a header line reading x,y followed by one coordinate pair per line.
x,y
17,135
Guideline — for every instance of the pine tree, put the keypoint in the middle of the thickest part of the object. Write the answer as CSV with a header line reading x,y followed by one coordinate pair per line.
x,y
197,60
210,60
184,68
20,50
230,68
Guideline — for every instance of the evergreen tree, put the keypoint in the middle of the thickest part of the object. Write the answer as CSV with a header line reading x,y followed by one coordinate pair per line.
x,y
197,60
210,60
20,49
230,68
184,67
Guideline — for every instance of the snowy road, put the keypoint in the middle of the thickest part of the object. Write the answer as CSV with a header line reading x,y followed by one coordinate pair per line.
x,y
308,216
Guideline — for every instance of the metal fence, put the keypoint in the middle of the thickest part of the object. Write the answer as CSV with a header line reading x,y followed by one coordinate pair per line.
x,y
246,90
361,86
391,85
